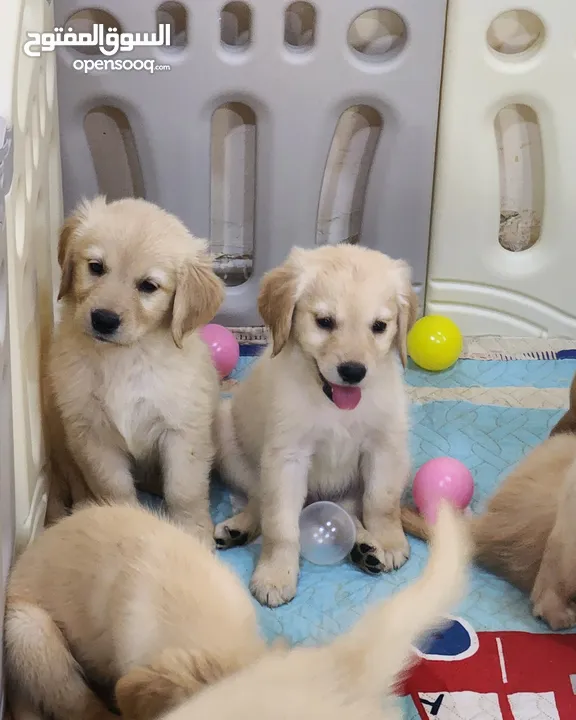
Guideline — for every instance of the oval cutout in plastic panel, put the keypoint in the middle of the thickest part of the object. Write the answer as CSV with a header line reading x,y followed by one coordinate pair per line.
x,y
236,25
346,175
233,192
515,32
377,34
114,153
84,21
521,171
300,26
176,15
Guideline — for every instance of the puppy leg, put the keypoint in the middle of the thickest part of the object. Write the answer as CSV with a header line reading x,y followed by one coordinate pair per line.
x,y
186,464
42,674
236,472
385,470
554,589
284,489
366,553
106,468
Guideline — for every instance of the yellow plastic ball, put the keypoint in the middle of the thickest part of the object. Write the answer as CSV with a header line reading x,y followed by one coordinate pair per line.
x,y
434,343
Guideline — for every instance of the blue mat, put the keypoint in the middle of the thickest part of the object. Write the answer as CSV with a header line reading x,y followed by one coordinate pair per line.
x,y
488,439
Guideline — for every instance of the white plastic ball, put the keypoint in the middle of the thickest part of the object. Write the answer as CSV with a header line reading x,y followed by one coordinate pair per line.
x,y
327,533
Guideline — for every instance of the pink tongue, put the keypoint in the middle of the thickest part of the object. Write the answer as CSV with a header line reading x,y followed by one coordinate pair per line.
x,y
346,398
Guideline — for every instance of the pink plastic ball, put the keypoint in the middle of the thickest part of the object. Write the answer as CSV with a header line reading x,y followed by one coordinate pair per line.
x,y
223,346
442,478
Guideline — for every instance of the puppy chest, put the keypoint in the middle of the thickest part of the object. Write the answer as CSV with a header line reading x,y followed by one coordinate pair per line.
x,y
136,405
335,462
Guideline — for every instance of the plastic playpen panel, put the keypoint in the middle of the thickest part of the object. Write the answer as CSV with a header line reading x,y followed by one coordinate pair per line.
x,y
6,437
297,97
473,278
31,197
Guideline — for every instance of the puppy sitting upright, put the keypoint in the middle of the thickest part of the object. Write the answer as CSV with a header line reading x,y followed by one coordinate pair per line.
x,y
131,383
323,414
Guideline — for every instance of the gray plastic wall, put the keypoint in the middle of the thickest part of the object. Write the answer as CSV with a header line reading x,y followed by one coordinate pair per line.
x,y
297,96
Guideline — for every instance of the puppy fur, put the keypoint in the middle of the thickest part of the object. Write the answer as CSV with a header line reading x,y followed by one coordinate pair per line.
x,y
283,442
115,594
136,404
526,533
567,423
354,677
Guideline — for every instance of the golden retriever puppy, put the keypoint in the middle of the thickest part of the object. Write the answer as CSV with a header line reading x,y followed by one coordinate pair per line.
x,y
130,381
115,593
324,412
354,677
526,533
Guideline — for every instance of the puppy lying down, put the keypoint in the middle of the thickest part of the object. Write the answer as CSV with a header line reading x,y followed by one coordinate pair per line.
x,y
352,678
527,534
114,593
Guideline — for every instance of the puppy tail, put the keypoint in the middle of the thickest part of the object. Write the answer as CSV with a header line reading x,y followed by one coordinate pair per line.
x,y
41,670
377,651
414,523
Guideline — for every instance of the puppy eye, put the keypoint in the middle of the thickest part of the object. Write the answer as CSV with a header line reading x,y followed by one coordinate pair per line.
x,y
147,286
378,327
326,323
96,267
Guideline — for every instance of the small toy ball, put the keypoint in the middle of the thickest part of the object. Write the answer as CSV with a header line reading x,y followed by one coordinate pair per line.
x,y
223,346
327,533
442,478
434,343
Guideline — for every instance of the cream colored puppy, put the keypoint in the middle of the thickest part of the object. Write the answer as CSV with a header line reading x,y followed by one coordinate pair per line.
x,y
526,533
352,678
115,593
324,413
131,389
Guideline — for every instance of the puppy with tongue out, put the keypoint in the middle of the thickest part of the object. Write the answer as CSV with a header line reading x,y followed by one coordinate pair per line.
x,y
323,414
346,397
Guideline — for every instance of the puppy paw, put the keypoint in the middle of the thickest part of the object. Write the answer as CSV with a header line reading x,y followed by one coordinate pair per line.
x,y
274,584
238,530
227,537
368,558
375,557
556,612
395,547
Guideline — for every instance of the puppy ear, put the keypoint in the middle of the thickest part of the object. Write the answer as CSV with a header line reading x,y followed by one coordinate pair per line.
x,y
199,294
65,253
407,310
149,691
277,301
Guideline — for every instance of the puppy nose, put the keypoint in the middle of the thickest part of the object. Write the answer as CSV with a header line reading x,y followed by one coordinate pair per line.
x,y
105,322
352,372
